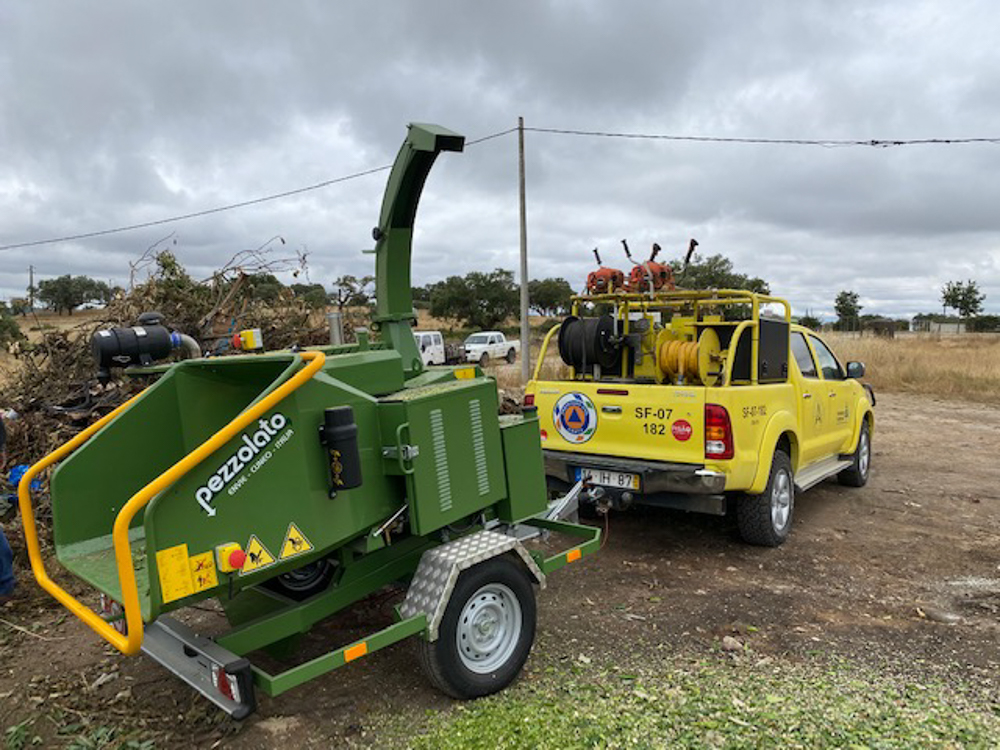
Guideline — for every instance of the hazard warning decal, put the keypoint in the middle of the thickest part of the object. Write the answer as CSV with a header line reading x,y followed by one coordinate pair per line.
x,y
295,543
575,417
258,557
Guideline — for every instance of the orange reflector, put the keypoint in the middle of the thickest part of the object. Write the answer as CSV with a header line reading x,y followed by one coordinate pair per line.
x,y
356,651
573,555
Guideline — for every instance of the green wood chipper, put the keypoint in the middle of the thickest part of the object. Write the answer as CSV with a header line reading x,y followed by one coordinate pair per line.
x,y
290,485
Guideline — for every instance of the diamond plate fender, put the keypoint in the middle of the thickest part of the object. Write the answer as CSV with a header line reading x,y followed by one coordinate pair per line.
x,y
440,567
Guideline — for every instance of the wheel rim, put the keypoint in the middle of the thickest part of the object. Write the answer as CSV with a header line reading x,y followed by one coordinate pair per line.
x,y
864,455
304,578
489,628
781,500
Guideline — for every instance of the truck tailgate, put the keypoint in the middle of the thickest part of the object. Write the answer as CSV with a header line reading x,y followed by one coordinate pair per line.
x,y
655,422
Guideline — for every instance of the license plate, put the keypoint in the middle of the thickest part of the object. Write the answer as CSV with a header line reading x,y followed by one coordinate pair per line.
x,y
619,479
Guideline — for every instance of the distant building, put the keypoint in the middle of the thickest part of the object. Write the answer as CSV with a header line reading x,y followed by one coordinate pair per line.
x,y
951,328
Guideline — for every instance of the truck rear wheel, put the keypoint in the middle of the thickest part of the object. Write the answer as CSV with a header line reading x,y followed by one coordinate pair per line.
x,y
766,519
856,475
486,633
511,356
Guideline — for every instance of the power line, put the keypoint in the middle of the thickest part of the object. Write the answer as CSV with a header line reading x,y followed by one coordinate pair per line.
x,y
228,207
827,143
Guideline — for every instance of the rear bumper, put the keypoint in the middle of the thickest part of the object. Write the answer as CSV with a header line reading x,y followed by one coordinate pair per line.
x,y
656,476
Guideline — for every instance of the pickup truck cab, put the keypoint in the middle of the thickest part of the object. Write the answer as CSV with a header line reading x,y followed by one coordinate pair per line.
x,y
431,346
704,401
489,345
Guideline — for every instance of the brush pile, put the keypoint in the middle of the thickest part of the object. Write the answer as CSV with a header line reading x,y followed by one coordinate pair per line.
x,y
54,388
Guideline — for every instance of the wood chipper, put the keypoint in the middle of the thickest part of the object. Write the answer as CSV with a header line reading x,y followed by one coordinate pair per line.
x,y
290,485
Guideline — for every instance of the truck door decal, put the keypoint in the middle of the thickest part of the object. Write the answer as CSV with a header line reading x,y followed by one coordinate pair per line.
x,y
575,417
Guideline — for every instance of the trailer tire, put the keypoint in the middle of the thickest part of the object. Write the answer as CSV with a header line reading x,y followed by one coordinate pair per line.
x,y
856,475
766,519
511,356
304,582
486,633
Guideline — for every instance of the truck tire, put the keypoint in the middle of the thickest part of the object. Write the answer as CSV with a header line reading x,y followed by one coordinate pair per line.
x,y
486,633
511,356
484,360
856,475
766,519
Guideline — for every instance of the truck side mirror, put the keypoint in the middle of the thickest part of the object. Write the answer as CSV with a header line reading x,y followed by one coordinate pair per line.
x,y
855,370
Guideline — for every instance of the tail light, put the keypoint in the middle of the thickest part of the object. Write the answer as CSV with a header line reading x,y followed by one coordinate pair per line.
x,y
226,684
718,432
529,399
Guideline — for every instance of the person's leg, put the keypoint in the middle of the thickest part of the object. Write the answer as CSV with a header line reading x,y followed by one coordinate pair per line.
x,y
6,567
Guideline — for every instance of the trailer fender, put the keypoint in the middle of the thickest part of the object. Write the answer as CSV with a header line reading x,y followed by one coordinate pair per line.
x,y
440,567
780,424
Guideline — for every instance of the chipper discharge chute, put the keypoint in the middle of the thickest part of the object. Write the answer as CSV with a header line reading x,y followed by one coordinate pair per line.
x,y
290,485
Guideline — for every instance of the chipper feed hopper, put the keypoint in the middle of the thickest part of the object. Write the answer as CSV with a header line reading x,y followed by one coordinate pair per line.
x,y
292,484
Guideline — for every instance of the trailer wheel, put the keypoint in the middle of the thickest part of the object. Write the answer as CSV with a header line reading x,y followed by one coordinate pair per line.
x,y
486,633
511,356
301,583
766,519
484,360
856,475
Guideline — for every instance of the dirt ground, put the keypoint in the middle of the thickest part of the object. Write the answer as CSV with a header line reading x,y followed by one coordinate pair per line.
x,y
905,571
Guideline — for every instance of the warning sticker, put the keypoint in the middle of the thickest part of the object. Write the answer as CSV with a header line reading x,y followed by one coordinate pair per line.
x,y
258,556
295,543
175,573
203,571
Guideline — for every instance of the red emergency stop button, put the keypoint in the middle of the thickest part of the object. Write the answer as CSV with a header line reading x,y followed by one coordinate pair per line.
x,y
236,559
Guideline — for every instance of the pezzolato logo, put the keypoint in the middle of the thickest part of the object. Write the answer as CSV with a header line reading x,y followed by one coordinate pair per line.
x,y
232,466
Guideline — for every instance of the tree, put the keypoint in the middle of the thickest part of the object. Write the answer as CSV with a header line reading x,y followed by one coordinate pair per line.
x,y
715,272
10,331
810,321
313,295
964,297
19,306
549,296
264,286
350,291
951,294
480,300
66,293
848,310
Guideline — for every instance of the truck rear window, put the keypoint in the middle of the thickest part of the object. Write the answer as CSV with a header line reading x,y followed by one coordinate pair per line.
x,y
803,357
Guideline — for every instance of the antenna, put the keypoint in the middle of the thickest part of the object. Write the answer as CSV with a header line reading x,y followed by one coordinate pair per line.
x,y
597,255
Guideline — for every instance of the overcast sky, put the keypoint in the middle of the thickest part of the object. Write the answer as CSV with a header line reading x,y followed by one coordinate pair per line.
x,y
114,113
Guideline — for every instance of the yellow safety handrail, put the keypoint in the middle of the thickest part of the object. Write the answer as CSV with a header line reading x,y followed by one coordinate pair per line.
x,y
131,642
544,349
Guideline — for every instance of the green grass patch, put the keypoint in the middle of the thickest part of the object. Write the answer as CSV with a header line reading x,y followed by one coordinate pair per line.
x,y
712,703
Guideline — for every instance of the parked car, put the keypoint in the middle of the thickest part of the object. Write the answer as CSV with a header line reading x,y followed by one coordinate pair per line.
x,y
486,345
431,346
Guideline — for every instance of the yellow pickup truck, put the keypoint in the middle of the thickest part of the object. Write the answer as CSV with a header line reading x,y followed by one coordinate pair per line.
x,y
700,400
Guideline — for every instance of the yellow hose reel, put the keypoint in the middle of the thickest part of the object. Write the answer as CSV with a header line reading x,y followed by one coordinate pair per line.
x,y
689,361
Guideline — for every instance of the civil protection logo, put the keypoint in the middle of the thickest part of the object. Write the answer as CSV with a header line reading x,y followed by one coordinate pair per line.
x,y
575,417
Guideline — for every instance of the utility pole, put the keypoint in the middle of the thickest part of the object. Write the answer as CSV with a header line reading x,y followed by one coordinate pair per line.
x,y
31,289
525,327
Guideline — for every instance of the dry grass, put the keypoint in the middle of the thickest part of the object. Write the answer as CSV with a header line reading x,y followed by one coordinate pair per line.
x,y
965,367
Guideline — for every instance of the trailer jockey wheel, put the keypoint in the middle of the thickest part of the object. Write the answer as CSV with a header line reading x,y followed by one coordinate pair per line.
x,y
301,583
486,633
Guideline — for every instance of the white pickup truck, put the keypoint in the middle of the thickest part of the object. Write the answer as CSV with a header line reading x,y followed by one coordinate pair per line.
x,y
486,345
